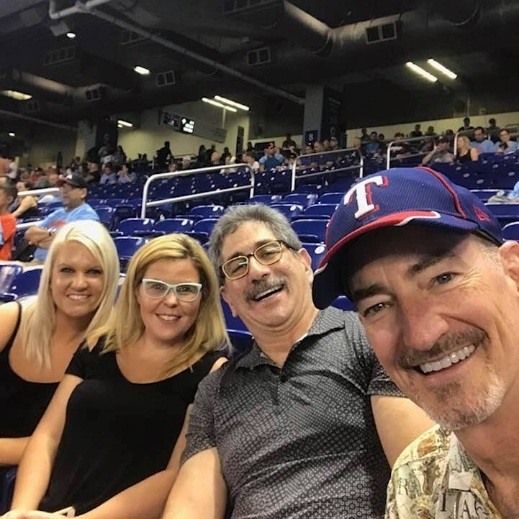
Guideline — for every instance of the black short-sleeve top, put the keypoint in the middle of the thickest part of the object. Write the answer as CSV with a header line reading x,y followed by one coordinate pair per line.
x,y
116,432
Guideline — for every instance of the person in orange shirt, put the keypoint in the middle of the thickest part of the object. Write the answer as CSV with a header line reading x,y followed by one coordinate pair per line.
x,y
8,194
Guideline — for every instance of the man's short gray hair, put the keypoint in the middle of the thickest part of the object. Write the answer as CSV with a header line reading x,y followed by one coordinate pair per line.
x,y
237,215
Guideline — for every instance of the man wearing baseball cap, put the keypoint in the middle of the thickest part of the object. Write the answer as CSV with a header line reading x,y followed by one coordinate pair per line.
x,y
73,193
437,290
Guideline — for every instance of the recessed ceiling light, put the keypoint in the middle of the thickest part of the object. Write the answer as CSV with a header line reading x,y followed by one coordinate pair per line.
x,y
444,70
232,103
421,72
71,35
141,70
14,94
11,134
121,123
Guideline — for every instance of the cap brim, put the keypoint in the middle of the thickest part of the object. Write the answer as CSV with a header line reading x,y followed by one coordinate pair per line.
x,y
327,284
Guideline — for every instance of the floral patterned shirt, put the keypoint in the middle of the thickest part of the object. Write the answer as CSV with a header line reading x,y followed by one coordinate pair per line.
x,y
434,478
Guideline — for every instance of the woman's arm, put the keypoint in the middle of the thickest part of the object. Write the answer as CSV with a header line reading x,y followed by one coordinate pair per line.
x,y
35,469
26,203
474,155
11,450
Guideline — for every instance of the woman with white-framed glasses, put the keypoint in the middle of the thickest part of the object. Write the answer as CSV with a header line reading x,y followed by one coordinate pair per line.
x,y
109,444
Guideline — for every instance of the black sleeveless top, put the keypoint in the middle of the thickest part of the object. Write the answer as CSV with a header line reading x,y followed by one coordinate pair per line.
x,y
22,403
116,432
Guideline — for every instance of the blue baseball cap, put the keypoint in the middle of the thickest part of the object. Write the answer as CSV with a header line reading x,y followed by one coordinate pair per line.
x,y
397,197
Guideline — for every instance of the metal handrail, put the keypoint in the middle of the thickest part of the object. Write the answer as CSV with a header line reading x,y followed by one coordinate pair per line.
x,y
38,192
188,172
336,152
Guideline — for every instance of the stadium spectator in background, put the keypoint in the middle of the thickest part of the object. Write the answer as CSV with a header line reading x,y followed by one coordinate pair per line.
x,y
400,149
93,174
289,143
111,439
73,193
334,143
249,158
417,132
493,130
505,145
108,176
37,339
373,145
364,137
481,143
164,155
26,206
125,174
440,153
186,162
106,150
250,147
290,428
119,157
430,132
465,151
272,158
8,194
437,291
467,128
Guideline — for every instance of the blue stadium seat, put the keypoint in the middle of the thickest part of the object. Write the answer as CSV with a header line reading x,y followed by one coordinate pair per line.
x,y
171,225
343,303
331,198
7,480
207,211
511,231
130,225
241,338
106,216
505,213
289,210
24,284
8,273
265,199
126,247
321,211
202,229
485,194
304,199
309,230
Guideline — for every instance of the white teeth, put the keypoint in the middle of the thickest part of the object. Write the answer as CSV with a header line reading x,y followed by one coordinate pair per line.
x,y
268,292
168,318
77,296
448,360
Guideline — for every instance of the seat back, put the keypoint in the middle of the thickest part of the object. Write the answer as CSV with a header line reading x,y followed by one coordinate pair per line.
x,y
312,231
130,225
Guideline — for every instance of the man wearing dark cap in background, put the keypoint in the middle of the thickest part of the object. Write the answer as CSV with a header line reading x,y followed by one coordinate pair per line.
x,y
73,193
437,291
440,153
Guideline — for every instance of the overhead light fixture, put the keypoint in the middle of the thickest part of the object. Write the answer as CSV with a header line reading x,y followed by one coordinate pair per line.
x,y
121,123
232,103
14,94
141,70
444,70
71,35
421,72
11,134
220,105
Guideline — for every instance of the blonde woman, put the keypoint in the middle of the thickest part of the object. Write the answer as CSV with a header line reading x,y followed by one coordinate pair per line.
x,y
110,442
465,151
37,341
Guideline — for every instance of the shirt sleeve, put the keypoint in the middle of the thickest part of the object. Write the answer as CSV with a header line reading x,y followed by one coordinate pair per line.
x,y
201,432
77,366
47,221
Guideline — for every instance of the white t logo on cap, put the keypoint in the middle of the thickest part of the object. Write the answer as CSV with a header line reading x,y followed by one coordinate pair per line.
x,y
362,192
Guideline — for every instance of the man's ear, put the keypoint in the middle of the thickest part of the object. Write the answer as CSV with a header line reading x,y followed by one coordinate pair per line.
x,y
307,262
509,253
226,298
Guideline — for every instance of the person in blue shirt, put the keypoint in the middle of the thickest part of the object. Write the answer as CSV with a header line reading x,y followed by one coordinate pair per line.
x,y
505,145
481,143
73,194
271,159
109,176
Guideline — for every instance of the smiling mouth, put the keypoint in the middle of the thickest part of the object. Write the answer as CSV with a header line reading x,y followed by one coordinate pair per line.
x,y
78,297
168,318
447,361
267,293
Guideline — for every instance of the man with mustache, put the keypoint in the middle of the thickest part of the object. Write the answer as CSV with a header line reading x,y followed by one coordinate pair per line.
x,y
302,425
437,290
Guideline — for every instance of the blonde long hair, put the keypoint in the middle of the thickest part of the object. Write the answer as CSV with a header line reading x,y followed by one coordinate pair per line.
x,y
39,318
208,332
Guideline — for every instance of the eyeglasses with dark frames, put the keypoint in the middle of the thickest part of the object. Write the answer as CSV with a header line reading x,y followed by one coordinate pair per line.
x,y
266,254
156,289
